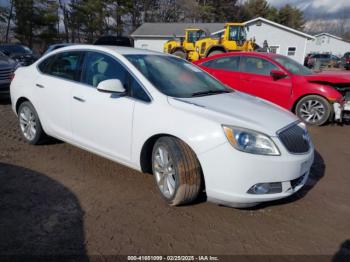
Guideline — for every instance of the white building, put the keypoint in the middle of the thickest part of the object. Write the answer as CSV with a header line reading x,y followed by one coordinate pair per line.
x,y
281,39
327,43
153,36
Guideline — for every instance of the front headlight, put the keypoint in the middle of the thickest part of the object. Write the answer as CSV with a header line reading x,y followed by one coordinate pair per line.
x,y
250,141
197,49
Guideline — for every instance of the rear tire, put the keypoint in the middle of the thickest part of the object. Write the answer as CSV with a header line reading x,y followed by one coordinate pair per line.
x,y
313,110
176,170
180,54
30,125
216,52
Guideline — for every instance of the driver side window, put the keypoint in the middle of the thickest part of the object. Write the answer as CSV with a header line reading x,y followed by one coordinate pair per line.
x,y
99,67
256,65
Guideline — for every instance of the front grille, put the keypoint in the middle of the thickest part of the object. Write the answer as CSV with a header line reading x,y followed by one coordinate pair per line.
x,y
6,74
295,139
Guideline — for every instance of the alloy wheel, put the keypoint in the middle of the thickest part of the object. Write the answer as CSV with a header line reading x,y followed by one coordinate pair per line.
x,y
164,171
312,111
27,123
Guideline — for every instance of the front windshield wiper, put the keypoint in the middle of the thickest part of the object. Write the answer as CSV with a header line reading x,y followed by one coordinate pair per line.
x,y
210,92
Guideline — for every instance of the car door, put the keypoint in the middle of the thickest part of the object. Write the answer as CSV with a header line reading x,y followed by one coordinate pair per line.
x,y
226,69
60,73
256,80
102,121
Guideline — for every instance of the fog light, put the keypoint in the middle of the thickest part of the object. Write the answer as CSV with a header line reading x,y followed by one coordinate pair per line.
x,y
266,188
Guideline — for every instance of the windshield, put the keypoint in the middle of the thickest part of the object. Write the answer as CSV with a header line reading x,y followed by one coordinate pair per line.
x,y
237,33
176,77
16,49
293,66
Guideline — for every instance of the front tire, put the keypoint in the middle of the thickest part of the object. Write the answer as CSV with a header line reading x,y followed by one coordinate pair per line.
x,y
176,170
313,110
29,124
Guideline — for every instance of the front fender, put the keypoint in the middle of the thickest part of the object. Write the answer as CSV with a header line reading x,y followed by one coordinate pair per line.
x,y
199,133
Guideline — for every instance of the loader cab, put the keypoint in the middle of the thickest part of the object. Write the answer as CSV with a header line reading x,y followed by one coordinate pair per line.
x,y
235,32
235,38
193,35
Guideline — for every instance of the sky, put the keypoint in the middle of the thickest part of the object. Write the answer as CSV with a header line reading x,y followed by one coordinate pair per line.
x,y
318,8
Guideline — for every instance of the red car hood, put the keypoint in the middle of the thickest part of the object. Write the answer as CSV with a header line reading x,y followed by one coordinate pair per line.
x,y
329,77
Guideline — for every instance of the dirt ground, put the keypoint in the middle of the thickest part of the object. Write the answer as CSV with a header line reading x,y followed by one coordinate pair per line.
x,y
58,199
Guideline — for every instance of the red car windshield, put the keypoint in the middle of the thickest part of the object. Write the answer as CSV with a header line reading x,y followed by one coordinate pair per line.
x,y
293,66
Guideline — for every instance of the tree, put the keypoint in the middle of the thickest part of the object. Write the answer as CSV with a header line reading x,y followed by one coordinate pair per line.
x,y
292,17
36,20
256,8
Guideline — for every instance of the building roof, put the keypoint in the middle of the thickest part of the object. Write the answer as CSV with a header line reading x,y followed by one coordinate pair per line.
x,y
283,27
327,34
171,29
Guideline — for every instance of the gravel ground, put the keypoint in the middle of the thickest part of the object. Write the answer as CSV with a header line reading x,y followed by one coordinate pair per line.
x,y
58,199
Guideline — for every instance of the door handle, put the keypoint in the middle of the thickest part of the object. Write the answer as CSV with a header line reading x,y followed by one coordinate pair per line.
x,y
79,99
40,86
246,79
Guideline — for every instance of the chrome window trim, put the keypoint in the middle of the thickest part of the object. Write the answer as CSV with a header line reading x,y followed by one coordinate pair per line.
x,y
102,52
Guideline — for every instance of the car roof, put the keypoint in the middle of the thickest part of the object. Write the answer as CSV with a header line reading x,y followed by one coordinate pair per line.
x,y
118,49
257,54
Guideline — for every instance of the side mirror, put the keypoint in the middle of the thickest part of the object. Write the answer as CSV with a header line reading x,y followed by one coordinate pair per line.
x,y
111,86
277,74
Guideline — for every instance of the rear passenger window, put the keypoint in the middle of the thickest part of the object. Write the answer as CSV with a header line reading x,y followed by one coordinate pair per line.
x,y
226,63
256,65
66,65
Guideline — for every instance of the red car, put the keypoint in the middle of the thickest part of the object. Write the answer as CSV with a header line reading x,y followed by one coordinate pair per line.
x,y
315,98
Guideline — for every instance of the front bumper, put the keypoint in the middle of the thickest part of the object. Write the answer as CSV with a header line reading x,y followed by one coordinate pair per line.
x,y
341,111
4,88
229,174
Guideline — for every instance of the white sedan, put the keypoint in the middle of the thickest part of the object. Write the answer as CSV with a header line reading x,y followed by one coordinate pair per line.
x,y
157,113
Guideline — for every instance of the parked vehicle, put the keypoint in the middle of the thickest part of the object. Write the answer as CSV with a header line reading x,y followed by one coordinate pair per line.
x,y
114,40
306,59
185,48
7,68
56,46
161,114
346,61
319,61
197,44
281,80
20,53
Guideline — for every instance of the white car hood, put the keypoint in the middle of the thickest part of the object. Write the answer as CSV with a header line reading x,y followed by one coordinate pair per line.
x,y
238,109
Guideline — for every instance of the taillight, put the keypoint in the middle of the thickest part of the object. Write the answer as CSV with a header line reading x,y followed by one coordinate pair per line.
x,y
12,76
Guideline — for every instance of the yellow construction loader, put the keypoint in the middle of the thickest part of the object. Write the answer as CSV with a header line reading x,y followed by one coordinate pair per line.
x,y
197,44
184,47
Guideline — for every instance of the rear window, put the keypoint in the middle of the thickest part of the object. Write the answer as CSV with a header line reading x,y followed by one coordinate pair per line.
x,y
321,56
